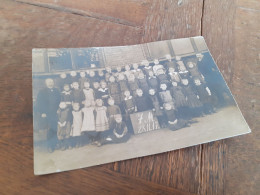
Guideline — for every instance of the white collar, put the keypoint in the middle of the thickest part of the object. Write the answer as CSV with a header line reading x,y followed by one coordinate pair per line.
x,y
103,90
130,97
66,92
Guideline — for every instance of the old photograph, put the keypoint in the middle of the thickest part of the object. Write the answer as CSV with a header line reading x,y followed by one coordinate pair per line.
x,y
97,105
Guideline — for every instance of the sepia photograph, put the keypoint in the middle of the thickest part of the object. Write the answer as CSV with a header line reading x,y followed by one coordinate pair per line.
x,y
103,104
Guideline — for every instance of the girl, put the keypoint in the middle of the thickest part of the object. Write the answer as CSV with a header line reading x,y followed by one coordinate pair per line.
x,y
88,92
114,90
64,126
193,101
133,84
194,71
204,95
165,95
88,125
157,108
112,110
73,77
130,108
82,80
152,81
123,85
119,130
96,86
147,68
102,125
77,124
77,94
127,71
103,92
66,95
136,69
173,122
142,103
143,83
174,76
61,81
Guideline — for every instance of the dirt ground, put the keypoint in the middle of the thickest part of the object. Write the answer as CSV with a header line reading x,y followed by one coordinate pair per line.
x,y
225,123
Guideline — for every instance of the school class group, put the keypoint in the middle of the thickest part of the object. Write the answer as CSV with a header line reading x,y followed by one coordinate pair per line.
x,y
96,105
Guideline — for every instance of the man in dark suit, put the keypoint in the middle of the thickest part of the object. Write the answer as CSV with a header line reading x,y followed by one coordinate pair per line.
x,y
47,104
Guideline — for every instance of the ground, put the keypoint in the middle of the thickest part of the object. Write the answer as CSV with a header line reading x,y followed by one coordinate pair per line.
x,y
224,123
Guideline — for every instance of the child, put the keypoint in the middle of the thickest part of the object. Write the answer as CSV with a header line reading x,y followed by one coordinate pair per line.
x,y
66,95
108,73
193,101
92,76
88,126
103,92
122,84
178,96
96,86
88,92
143,83
112,110
194,71
204,95
114,90
77,124
82,79
169,62
130,108
142,103
118,71
136,69
102,125
64,128
157,108
133,84
73,77
146,67
101,75
62,80
77,94
161,76
165,95
119,130
174,76
173,122
127,71
129,103
152,81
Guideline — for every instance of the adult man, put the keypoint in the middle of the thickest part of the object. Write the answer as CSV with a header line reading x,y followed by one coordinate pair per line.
x,y
47,104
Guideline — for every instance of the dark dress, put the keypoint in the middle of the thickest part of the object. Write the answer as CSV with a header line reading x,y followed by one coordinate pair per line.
x,y
178,96
82,80
142,103
119,132
147,69
163,78
143,85
64,125
77,96
102,94
192,100
153,82
129,105
133,85
114,92
66,96
156,105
